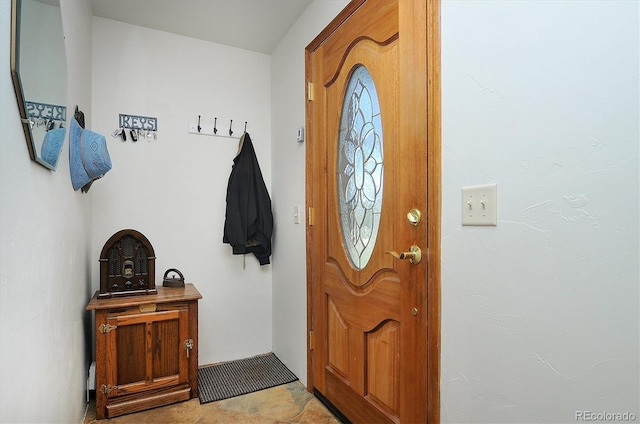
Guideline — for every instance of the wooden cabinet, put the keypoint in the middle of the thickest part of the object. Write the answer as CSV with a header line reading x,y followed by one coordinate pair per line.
x,y
146,350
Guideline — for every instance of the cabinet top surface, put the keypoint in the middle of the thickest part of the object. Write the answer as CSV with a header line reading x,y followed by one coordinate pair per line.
x,y
164,295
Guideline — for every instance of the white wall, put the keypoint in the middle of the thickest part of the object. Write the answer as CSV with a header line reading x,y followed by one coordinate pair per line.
x,y
173,189
288,113
44,257
540,314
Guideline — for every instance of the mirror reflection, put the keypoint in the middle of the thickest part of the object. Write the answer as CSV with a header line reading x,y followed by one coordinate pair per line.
x,y
39,71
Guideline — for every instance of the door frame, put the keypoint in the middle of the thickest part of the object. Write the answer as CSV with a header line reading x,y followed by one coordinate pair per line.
x,y
420,20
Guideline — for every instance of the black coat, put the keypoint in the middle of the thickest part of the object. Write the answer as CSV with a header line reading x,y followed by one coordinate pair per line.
x,y
248,225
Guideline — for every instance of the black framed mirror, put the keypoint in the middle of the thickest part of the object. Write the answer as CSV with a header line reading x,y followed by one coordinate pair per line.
x,y
39,73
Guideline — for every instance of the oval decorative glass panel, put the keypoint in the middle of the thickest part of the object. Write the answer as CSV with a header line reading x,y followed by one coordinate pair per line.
x,y
360,167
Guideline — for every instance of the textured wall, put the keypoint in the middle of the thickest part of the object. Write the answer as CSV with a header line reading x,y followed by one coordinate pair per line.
x,y
44,271
288,113
173,189
540,314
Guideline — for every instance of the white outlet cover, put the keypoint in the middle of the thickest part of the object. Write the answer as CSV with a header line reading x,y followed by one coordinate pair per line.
x,y
480,205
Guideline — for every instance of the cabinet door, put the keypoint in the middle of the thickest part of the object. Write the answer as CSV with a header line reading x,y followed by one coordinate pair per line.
x,y
146,351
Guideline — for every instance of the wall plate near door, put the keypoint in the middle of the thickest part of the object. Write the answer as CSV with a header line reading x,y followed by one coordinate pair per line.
x,y
480,205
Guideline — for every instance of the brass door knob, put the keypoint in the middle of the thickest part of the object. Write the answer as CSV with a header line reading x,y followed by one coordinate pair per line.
x,y
414,254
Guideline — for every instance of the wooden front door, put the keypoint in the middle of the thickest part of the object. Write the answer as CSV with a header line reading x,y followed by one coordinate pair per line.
x,y
373,193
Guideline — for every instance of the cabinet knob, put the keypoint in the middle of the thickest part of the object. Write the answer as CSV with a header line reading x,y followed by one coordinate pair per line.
x,y
188,345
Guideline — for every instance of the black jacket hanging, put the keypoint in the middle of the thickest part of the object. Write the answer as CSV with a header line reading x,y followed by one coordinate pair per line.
x,y
248,225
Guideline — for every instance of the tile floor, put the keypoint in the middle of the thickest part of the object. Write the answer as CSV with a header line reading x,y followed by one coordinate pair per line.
x,y
289,403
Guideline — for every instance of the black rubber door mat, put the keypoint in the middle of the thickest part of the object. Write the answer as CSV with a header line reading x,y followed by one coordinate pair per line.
x,y
235,378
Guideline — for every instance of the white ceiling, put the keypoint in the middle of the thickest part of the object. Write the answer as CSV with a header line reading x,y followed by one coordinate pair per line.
x,y
256,25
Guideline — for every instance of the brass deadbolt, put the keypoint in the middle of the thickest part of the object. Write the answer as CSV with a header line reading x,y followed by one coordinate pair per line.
x,y
414,216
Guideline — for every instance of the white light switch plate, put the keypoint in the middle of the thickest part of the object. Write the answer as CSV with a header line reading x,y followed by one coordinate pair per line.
x,y
296,214
480,205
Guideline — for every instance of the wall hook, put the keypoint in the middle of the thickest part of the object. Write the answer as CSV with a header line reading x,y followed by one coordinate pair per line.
x,y
215,124
245,126
230,130
199,127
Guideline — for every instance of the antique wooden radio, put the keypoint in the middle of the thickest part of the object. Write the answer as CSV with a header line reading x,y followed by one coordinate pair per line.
x,y
127,265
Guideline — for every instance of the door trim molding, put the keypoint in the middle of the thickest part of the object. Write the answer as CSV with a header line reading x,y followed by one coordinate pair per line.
x,y
434,207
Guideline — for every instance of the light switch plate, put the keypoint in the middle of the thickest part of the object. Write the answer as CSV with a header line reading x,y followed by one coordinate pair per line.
x,y
296,214
480,205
